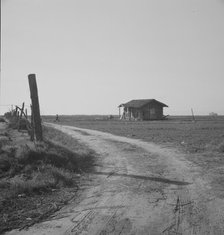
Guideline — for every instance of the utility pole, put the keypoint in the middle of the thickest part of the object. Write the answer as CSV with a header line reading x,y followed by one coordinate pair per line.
x,y
35,107
192,112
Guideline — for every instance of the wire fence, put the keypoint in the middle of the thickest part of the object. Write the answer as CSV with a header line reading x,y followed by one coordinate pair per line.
x,y
4,108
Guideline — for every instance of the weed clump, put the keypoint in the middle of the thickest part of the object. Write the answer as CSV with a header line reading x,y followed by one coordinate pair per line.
x,y
35,169
37,179
38,182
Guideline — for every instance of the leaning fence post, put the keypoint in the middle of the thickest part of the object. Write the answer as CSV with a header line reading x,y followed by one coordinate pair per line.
x,y
35,107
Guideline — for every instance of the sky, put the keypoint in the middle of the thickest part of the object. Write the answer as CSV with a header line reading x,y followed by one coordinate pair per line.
x,y
89,56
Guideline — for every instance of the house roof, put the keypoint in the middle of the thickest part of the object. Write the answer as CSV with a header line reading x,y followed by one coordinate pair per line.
x,y
140,103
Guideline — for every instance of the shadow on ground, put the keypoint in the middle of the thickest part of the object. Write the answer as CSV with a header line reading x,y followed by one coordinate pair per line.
x,y
142,177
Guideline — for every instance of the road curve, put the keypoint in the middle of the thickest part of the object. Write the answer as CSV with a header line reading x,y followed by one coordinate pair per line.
x,y
136,188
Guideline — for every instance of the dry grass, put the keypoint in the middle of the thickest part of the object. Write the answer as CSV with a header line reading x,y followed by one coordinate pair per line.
x,y
46,178
48,172
35,168
60,139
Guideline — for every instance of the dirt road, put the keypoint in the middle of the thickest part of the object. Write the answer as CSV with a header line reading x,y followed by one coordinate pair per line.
x,y
137,188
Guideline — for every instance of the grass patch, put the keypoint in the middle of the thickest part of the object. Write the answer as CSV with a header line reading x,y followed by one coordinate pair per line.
x,y
39,175
35,168
38,182
59,138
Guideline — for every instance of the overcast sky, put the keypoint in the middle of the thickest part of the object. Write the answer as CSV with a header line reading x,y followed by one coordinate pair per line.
x,y
92,55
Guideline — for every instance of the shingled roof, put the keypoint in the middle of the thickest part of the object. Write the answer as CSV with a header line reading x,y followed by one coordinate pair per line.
x,y
140,103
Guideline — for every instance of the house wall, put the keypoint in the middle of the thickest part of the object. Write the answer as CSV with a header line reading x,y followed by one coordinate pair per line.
x,y
133,113
136,113
152,111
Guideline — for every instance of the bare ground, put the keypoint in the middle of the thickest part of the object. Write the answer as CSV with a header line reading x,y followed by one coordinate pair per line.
x,y
137,188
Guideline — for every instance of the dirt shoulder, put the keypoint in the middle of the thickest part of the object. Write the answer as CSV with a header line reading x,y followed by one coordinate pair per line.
x,y
137,188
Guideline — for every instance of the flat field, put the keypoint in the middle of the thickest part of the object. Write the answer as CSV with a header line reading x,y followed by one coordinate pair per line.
x,y
178,131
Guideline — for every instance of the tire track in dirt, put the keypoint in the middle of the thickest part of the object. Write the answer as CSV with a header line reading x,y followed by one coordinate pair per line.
x,y
137,188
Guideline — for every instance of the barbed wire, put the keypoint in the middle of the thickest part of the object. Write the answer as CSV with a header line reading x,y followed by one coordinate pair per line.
x,y
10,105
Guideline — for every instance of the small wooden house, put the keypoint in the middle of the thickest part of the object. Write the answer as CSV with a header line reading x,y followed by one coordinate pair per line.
x,y
143,109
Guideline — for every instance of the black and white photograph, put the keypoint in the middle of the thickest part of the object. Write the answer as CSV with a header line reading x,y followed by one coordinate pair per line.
x,y
112,117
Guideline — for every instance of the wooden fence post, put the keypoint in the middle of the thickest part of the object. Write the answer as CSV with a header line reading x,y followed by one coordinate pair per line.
x,y
26,113
16,111
35,107
31,124
20,117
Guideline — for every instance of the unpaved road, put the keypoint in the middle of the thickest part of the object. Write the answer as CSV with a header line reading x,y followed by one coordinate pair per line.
x,y
136,188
